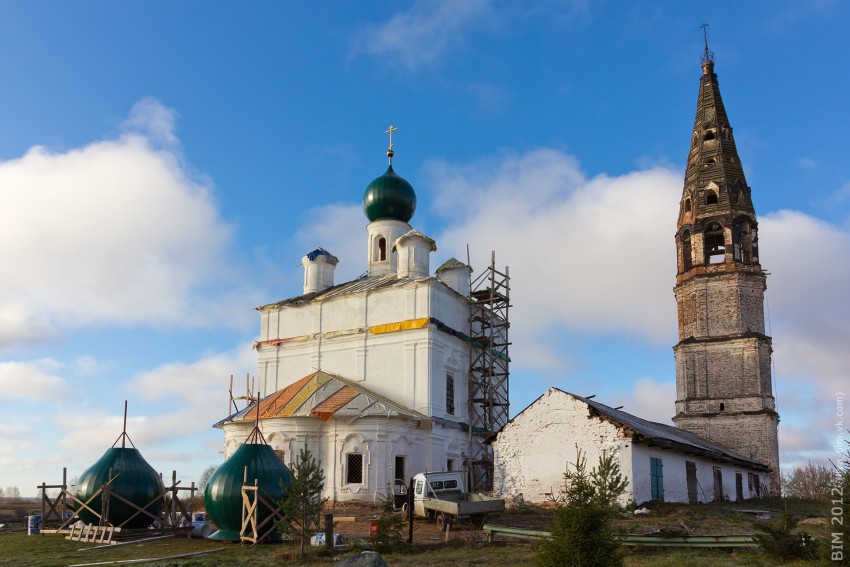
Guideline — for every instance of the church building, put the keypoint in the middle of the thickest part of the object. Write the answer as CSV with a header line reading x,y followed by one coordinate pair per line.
x,y
373,375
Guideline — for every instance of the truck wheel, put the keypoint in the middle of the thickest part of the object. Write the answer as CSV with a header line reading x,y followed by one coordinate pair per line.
x,y
442,522
478,520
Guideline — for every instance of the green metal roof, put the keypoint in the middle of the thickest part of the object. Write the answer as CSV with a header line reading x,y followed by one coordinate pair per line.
x,y
134,480
389,197
223,495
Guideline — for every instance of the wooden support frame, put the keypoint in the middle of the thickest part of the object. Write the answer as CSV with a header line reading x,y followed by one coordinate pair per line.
x,y
252,531
176,516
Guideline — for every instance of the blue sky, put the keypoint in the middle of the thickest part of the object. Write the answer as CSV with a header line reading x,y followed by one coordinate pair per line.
x,y
164,166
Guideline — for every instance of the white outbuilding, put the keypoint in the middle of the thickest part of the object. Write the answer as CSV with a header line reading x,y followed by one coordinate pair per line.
x,y
660,462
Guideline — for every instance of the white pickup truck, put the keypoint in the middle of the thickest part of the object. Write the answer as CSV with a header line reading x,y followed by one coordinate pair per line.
x,y
442,496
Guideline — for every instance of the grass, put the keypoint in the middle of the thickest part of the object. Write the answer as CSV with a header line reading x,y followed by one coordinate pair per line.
x,y
468,550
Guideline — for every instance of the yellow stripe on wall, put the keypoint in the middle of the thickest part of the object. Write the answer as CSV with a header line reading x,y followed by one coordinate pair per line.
x,y
399,326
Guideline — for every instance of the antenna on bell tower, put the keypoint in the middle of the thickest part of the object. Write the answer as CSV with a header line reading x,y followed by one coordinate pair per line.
x,y
390,152
707,55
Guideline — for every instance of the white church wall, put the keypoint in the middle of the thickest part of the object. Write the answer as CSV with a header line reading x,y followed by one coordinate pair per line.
x,y
378,440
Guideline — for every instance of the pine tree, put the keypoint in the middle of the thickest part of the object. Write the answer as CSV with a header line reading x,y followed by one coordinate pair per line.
x,y
581,531
302,501
391,525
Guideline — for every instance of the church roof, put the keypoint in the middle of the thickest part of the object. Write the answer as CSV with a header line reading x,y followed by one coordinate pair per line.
x,y
362,283
323,395
660,434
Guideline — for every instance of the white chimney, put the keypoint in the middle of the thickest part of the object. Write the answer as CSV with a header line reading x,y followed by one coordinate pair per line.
x,y
318,270
455,274
414,249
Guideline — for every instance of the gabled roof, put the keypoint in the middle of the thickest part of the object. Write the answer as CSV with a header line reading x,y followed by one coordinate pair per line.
x,y
659,434
325,396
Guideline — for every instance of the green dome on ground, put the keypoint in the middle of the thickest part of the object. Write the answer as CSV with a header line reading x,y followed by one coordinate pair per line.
x,y
223,495
134,480
389,197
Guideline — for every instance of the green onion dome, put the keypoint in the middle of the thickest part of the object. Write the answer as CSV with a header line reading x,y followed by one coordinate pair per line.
x,y
223,495
134,480
389,197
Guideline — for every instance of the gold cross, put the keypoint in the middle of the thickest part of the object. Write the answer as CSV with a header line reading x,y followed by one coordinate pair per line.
x,y
390,132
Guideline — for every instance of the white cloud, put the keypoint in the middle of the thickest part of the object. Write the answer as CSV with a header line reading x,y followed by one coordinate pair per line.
x,y
36,380
424,33
114,232
156,122
807,301
339,237
593,254
649,399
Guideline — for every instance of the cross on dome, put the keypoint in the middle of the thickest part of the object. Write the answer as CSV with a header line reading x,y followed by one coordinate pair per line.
x,y
390,152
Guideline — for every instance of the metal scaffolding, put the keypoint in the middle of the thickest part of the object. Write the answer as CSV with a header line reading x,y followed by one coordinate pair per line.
x,y
489,300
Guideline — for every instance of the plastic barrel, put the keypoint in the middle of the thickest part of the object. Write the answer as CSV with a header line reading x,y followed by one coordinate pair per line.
x,y
33,525
201,529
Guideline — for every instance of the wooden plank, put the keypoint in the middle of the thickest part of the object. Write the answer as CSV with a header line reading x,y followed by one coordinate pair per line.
x,y
151,559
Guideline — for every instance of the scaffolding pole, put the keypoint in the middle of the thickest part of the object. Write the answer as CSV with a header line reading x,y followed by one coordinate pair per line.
x,y
489,301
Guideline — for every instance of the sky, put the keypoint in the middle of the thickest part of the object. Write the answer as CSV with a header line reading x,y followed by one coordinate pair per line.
x,y
165,165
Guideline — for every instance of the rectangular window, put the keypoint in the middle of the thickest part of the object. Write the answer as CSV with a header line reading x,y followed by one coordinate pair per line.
x,y
450,394
450,464
399,468
280,455
354,468
656,475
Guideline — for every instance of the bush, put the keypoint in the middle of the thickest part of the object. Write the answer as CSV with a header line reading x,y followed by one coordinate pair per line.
x,y
391,526
779,540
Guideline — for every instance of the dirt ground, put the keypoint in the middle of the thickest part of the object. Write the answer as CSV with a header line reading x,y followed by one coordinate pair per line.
x,y
352,519
726,518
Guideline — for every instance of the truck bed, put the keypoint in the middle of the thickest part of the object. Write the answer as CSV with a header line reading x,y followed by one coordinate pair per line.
x,y
461,505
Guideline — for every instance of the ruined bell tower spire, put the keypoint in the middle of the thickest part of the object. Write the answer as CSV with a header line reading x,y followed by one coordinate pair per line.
x,y
723,377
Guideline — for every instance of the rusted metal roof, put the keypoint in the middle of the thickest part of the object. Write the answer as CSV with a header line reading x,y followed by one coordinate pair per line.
x,y
325,396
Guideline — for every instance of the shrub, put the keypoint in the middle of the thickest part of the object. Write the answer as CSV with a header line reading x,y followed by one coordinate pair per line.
x,y
581,531
779,540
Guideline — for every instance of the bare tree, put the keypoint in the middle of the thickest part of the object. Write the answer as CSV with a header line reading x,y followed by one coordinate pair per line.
x,y
205,478
811,481
2,494
12,492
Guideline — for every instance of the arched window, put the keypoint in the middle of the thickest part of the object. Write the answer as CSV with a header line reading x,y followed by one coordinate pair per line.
x,y
379,249
382,249
743,239
687,260
709,135
687,205
710,198
714,244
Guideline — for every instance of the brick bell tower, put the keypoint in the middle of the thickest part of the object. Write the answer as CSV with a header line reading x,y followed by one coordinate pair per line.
x,y
723,378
